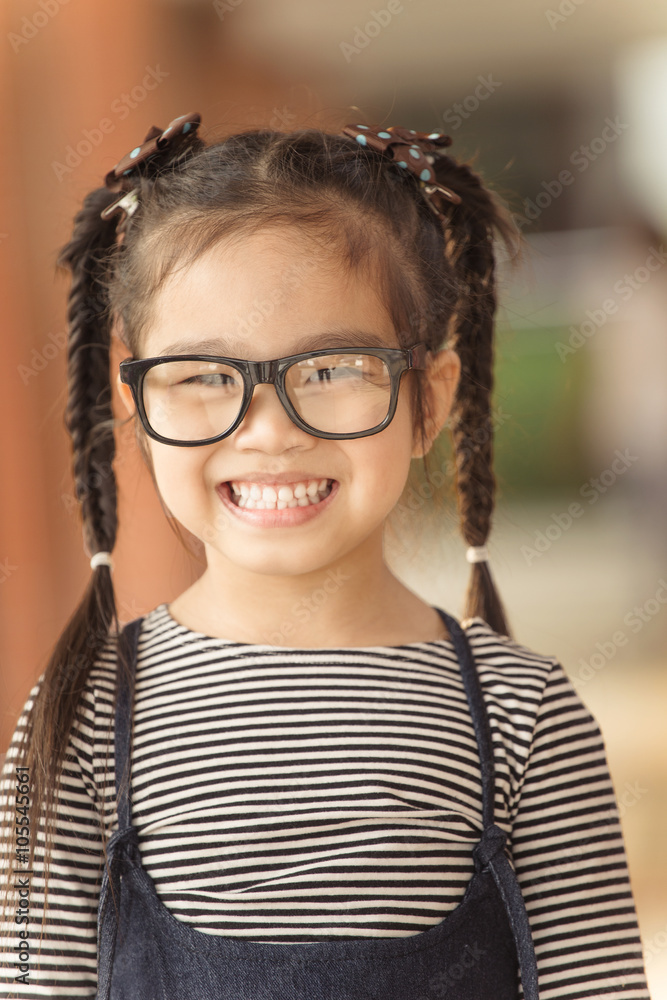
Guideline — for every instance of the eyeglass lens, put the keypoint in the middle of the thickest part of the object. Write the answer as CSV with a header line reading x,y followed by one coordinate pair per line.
x,y
335,393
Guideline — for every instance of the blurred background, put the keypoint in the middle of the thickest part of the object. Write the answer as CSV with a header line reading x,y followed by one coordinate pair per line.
x,y
563,110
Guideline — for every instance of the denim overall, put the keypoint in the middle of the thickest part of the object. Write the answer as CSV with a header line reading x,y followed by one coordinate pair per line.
x,y
146,953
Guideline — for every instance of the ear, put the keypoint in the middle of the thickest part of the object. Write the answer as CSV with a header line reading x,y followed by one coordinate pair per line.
x,y
442,378
125,395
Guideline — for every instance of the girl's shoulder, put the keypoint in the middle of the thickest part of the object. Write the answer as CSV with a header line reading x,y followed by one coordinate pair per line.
x,y
527,693
492,646
515,673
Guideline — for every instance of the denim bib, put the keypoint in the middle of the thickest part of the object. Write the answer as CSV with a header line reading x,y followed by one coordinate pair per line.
x,y
474,953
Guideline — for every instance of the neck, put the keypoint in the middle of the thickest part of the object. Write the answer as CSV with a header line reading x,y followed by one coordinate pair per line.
x,y
354,601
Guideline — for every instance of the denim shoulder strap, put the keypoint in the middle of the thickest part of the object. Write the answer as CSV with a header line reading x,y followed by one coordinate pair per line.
x,y
125,679
480,719
490,851
122,843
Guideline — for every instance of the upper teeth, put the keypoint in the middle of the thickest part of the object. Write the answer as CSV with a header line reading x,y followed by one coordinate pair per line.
x,y
254,496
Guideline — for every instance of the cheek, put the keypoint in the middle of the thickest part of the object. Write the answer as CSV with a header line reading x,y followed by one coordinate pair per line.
x,y
175,472
384,459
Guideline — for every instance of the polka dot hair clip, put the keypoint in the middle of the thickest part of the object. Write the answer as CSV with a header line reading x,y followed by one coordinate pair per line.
x,y
412,151
178,135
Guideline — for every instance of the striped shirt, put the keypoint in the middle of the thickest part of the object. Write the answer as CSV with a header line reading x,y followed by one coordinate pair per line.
x,y
292,795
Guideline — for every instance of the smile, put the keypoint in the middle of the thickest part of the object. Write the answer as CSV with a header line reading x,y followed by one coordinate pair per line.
x,y
309,500
255,496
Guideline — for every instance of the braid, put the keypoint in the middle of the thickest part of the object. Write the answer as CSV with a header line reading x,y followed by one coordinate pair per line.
x,y
88,416
90,424
92,255
469,242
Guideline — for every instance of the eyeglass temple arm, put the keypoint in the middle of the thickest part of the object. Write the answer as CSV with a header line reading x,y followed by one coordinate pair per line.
x,y
420,356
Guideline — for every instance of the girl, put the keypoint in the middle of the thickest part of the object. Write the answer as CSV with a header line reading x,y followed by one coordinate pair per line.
x,y
298,780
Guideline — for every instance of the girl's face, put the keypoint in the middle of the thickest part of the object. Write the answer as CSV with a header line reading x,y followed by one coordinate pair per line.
x,y
262,297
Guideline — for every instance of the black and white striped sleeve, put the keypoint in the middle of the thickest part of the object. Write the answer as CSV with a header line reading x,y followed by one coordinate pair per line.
x,y
570,858
65,965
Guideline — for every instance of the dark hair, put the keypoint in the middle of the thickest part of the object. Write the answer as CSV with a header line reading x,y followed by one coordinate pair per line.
x,y
437,280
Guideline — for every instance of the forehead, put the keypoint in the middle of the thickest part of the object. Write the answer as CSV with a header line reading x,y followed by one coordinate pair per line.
x,y
268,294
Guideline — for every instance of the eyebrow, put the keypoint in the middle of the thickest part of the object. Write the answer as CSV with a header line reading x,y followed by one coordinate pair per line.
x,y
338,338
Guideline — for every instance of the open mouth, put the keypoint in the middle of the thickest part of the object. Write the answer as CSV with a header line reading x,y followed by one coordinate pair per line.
x,y
253,496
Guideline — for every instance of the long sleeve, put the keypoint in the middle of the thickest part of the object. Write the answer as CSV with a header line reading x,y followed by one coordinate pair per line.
x,y
66,968
570,858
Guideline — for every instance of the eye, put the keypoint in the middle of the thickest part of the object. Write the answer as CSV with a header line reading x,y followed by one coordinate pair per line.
x,y
213,379
190,375
329,373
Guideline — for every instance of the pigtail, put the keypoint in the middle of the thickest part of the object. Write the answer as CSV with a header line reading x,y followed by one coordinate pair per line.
x,y
93,256
90,423
469,236
88,416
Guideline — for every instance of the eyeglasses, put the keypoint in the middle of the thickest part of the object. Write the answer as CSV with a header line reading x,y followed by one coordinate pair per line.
x,y
197,399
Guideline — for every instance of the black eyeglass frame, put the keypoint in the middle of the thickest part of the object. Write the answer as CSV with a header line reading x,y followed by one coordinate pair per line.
x,y
133,372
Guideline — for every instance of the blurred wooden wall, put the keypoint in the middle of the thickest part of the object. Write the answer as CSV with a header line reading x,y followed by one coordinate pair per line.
x,y
65,67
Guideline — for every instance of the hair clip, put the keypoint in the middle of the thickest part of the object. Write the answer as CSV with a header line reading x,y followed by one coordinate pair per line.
x,y
410,150
128,203
180,131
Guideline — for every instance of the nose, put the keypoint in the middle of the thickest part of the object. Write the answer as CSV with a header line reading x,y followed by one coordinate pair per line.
x,y
267,426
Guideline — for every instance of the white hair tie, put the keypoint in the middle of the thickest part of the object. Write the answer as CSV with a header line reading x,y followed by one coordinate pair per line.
x,y
101,559
477,553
